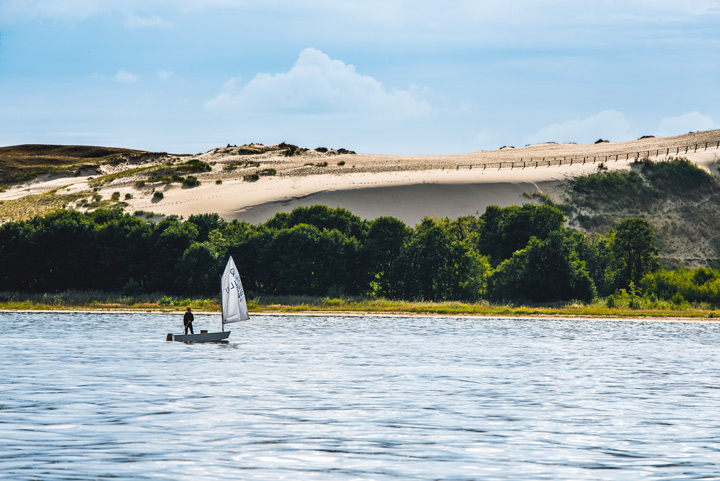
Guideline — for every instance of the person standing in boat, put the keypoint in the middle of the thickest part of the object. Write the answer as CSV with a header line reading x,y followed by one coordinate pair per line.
x,y
188,320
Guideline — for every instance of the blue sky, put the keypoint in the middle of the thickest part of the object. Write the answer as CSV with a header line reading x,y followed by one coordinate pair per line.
x,y
375,76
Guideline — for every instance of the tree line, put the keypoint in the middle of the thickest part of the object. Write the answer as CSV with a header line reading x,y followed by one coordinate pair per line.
x,y
518,254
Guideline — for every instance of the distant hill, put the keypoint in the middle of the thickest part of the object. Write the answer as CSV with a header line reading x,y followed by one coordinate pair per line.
x,y
20,163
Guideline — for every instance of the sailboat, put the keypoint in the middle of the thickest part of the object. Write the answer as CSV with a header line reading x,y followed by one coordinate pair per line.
x,y
234,308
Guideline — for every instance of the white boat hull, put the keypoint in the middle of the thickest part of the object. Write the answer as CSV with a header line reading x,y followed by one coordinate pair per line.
x,y
204,337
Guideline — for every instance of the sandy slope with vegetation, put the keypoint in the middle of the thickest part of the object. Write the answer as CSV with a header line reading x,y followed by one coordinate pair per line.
x,y
253,182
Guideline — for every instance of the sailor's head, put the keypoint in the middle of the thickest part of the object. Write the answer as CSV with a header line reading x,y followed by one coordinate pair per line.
x,y
188,309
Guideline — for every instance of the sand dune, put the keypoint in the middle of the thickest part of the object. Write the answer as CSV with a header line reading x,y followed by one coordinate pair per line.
x,y
410,188
406,187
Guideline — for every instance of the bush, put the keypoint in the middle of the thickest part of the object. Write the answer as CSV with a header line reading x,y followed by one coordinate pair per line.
x,y
190,181
158,196
128,196
291,150
115,196
251,177
600,141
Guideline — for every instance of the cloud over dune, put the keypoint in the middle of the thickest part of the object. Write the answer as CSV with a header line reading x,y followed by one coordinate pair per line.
x,y
685,123
319,85
608,124
125,77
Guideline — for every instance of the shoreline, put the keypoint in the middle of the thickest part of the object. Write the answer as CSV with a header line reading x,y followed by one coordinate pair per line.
x,y
644,317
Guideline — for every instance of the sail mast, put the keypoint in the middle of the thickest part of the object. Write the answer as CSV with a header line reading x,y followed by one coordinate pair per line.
x,y
222,301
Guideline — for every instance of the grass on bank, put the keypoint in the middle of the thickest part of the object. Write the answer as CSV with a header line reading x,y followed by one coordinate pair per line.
x,y
102,301
38,204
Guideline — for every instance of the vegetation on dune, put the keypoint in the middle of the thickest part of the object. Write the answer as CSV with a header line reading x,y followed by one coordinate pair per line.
x,y
21,163
640,189
680,201
32,205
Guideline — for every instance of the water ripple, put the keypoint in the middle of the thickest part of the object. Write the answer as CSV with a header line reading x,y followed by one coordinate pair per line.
x,y
94,396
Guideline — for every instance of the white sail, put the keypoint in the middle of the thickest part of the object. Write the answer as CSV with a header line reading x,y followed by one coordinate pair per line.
x,y
233,296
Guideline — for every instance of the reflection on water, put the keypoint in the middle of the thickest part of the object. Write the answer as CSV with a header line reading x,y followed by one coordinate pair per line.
x,y
92,396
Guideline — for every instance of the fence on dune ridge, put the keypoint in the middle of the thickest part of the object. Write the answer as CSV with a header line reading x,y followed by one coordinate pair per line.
x,y
535,162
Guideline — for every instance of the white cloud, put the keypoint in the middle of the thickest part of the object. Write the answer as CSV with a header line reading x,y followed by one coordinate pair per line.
x,y
608,124
123,76
682,124
487,137
153,21
165,75
319,85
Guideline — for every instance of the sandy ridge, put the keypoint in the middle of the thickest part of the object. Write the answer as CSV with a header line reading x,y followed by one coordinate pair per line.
x,y
370,185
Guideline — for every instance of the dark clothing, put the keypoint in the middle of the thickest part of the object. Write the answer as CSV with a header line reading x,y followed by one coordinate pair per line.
x,y
187,322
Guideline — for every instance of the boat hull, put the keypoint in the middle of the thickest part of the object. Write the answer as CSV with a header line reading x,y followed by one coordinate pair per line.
x,y
204,337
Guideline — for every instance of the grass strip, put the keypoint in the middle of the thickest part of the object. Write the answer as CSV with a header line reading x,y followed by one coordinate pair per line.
x,y
76,300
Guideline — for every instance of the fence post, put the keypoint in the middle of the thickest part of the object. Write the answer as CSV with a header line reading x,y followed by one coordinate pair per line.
x,y
695,147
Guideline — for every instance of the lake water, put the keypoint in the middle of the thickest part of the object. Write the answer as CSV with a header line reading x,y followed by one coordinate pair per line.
x,y
96,396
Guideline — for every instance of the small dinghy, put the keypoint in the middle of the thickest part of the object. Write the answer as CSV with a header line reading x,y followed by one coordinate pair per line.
x,y
234,308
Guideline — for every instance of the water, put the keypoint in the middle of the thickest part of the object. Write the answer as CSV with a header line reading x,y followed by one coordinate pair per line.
x,y
95,396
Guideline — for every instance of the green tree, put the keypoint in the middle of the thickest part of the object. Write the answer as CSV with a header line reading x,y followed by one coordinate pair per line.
x,y
545,271
200,270
307,260
322,217
120,249
436,266
170,240
506,230
634,252
205,223
385,241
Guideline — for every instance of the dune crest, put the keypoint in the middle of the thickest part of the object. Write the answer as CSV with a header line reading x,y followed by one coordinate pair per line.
x,y
253,182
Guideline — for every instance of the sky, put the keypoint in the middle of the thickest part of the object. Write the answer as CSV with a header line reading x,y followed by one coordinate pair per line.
x,y
374,76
